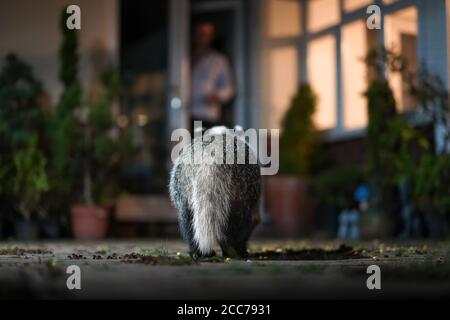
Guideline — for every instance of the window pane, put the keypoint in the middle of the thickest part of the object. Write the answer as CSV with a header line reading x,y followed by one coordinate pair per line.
x,y
283,81
322,77
354,48
350,5
284,18
401,36
322,14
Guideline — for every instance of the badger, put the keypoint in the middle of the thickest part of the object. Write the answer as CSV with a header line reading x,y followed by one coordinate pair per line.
x,y
217,201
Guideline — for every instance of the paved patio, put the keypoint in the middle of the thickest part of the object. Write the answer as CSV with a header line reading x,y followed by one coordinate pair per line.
x,y
160,269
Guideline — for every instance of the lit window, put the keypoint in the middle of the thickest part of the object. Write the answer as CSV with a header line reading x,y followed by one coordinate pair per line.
x,y
354,49
284,18
283,81
350,5
322,14
322,77
401,37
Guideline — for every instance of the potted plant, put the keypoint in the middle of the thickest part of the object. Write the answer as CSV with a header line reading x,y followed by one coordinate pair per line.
x,y
103,149
20,120
62,133
88,147
30,182
288,202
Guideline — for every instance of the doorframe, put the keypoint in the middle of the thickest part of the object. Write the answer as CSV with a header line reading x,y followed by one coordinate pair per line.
x,y
178,90
236,6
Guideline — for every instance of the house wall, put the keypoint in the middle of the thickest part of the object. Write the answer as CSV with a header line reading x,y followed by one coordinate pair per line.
x,y
31,30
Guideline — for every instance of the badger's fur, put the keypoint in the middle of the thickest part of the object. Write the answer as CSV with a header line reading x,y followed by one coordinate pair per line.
x,y
217,203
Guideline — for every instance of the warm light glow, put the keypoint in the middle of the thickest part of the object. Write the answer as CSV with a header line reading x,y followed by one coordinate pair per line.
x,y
322,77
142,119
400,32
354,49
322,14
350,5
283,81
284,18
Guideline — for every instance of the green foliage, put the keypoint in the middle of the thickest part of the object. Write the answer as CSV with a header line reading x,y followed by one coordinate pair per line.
x,y
62,129
106,145
299,139
335,187
87,147
20,116
388,146
65,141
22,165
400,152
381,109
30,178
432,184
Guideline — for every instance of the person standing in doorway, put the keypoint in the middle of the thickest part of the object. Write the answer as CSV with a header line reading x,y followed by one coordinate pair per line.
x,y
212,84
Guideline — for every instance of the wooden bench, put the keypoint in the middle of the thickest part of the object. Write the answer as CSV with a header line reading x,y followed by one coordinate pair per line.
x,y
149,215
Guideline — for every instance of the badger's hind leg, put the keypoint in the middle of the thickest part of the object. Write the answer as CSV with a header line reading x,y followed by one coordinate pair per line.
x,y
232,248
238,232
187,232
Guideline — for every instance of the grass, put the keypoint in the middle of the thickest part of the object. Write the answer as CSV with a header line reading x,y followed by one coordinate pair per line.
x,y
17,251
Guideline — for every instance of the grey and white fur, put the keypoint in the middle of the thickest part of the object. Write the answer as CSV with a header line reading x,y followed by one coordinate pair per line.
x,y
217,203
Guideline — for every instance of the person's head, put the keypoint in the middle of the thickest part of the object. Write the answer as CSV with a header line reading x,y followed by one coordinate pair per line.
x,y
204,35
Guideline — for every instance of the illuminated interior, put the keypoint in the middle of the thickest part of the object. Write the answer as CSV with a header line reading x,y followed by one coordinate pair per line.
x,y
284,18
322,77
284,81
350,5
354,48
401,36
322,14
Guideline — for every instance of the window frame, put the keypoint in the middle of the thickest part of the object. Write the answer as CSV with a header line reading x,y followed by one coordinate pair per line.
x,y
339,132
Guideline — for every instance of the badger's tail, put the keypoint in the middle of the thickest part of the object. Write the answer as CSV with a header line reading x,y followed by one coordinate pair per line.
x,y
211,196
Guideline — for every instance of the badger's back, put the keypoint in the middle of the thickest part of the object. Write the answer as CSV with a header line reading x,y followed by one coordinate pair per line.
x,y
220,197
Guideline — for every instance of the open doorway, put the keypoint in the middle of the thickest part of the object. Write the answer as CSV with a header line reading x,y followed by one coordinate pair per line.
x,y
227,17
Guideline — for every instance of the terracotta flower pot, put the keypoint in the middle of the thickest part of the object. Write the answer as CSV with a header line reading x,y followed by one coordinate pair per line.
x,y
89,222
290,207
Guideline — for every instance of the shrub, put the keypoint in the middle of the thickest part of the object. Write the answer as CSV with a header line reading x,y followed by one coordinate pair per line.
x,y
335,187
299,140
30,178
22,164
432,184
